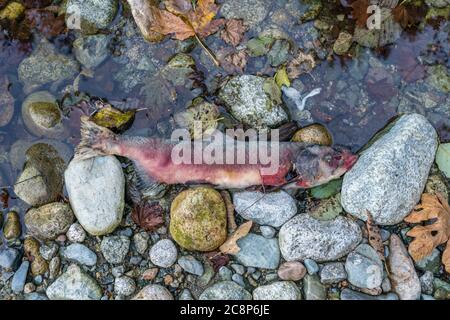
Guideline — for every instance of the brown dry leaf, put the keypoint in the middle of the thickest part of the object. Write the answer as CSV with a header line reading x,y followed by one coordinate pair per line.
x,y
232,226
406,15
230,246
148,216
233,32
374,236
303,63
4,198
359,12
217,259
235,62
428,237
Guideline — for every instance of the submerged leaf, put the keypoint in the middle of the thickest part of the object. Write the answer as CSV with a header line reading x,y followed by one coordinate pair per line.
x,y
233,32
112,118
359,12
303,63
281,78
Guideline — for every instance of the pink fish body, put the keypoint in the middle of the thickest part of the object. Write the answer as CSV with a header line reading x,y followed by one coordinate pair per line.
x,y
299,165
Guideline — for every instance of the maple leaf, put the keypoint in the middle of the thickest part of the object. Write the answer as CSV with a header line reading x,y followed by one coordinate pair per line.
x,y
233,33
234,62
359,12
303,63
46,22
428,237
217,259
148,216
230,246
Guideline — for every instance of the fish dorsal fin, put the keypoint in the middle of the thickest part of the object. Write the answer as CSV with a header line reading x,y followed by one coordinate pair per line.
x,y
147,186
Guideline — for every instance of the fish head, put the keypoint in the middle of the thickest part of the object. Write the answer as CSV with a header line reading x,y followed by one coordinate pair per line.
x,y
316,165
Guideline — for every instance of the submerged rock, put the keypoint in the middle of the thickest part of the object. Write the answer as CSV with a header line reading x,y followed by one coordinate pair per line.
x,y
314,134
74,284
304,237
273,209
253,103
389,177
89,16
91,51
252,12
96,189
50,220
225,290
198,219
6,101
12,228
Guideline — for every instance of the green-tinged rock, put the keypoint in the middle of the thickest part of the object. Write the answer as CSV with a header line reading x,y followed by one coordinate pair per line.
x,y
442,289
327,190
313,134
343,43
314,290
434,13
12,11
39,265
259,46
436,184
198,219
439,78
112,118
271,88
443,158
430,263
49,221
279,53
327,209
281,78
313,11
178,69
12,228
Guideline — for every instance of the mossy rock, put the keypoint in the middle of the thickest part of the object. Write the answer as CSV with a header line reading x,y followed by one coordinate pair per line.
x,y
313,134
198,219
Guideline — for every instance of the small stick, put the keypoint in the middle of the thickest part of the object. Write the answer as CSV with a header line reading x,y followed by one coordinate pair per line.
x,y
232,226
207,50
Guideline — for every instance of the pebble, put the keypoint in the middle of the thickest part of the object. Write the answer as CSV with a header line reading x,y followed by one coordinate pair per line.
x,y
19,278
404,279
36,296
238,279
314,290
29,288
304,237
150,274
239,269
333,272
267,232
343,43
49,221
348,294
48,250
153,292
54,267
115,248
311,266
88,16
32,249
250,104
225,273
91,51
259,252
389,177
186,295
426,282
12,228
79,253
140,241
431,263
364,267
225,290
74,284
191,265
292,270
163,253
9,258
124,286
76,233
96,189
279,290
271,209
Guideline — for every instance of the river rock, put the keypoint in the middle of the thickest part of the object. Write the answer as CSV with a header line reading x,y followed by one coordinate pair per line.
x,y
279,290
273,209
292,270
259,252
153,292
89,16
198,219
115,248
41,180
9,258
6,101
19,278
333,272
50,220
124,286
225,290
431,263
249,103
389,177
76,233
96,189
45,65
364,267
12,228
74,284
163,253
314,290
252,12
91,51
404,278
79,253
191,265
348,294
304,237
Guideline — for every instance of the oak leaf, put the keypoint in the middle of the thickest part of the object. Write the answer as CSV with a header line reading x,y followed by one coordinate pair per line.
x,y
233,33
230,245
427,237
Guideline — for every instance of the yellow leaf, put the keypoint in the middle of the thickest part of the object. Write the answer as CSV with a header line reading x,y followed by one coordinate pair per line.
x,y
281,78
230,246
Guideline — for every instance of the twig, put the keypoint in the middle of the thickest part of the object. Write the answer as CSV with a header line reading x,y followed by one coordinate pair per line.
x,y
232,226
207,50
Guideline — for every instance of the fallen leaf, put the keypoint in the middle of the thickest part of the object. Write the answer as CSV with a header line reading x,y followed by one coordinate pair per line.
x,y
46,22
233,33
111,118
230,246
429,236
4,198
217,259
281,78
380,84
303,63
406,15
234,62
359,12
148,216
374,236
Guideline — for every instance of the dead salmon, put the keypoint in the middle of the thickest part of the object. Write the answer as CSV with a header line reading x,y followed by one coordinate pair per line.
x,y
223,164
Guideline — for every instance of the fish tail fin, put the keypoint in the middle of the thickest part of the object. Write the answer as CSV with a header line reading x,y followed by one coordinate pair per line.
x,y
95,140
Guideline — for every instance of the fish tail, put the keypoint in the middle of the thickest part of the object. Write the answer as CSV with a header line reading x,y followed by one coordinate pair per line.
x,y
95,140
